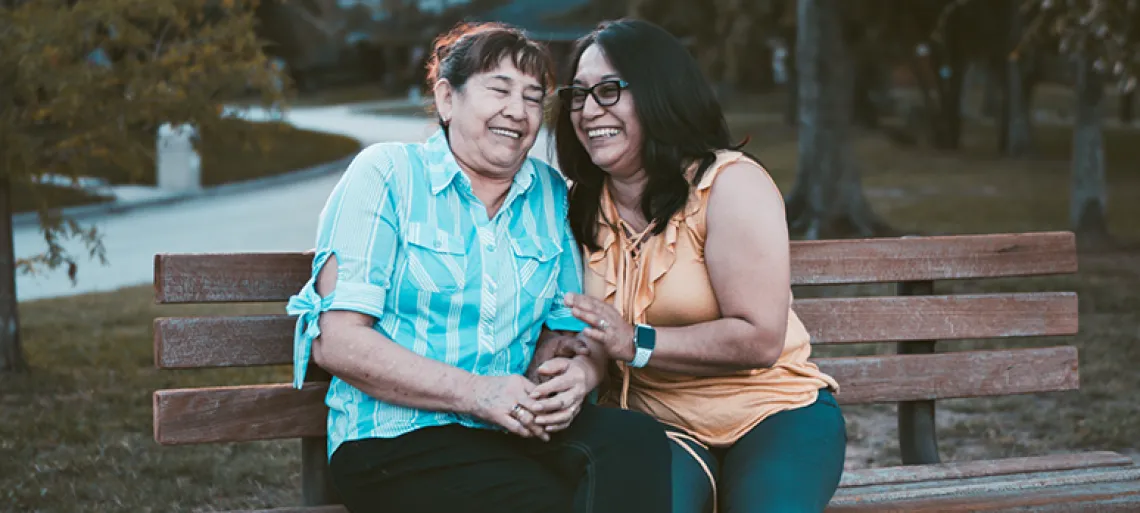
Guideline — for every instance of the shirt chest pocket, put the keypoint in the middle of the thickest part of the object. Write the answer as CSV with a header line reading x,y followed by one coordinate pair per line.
x,y
537,266
436,260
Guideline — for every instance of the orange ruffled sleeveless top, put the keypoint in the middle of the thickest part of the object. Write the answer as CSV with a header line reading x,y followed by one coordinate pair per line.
x,y
665,283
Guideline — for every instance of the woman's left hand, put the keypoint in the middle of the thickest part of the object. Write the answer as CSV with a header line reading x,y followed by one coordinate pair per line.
x,y
606,325
565,384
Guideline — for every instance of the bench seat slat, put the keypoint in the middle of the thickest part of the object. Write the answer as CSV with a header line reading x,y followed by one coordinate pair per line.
x,y
981,468
269,277
263,412
1098,489
195,342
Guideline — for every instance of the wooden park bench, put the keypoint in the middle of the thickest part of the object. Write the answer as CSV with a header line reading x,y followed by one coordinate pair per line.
x,y
915,377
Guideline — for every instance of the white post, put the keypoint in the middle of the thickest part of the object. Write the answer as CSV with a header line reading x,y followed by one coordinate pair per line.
x,y
179,166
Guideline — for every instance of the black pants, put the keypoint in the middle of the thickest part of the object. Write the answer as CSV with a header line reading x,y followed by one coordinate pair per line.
x,y
607,461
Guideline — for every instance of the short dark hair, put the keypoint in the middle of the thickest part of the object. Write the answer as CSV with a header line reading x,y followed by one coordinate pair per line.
x,y
681,122
478,47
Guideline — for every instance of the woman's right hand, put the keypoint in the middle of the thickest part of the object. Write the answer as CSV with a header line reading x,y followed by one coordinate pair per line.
x,y
506,401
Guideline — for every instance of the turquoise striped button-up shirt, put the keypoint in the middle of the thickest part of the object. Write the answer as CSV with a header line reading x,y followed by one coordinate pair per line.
x,y
416,251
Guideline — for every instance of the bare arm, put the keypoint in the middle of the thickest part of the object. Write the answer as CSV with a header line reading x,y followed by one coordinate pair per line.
x,y
747,254
353,351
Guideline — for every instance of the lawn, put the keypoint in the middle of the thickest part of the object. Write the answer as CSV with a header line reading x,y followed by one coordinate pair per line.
x,y
259,150
76,431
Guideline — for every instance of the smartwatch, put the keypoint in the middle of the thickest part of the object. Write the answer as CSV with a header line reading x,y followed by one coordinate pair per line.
x,y
644,340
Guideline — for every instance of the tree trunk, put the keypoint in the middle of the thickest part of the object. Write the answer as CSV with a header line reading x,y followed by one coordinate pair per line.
x,y
994,80
1088,196
827,200
1017,137
11,351
950,133
1126,101
865,113
735,23
792,88
940,79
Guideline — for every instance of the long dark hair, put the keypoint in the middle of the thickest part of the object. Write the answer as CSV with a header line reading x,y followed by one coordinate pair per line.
x,y
681,122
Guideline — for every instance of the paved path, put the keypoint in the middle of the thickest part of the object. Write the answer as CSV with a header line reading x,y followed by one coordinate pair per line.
x,y
279,218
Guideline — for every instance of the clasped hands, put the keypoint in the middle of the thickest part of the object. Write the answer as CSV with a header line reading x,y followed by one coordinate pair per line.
x,y
544,401
551,395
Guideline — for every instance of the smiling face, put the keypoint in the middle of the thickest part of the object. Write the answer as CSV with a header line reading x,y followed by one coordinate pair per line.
x,y
493,120
611,134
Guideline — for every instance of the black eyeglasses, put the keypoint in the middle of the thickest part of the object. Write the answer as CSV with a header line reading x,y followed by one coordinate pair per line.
x,y
606,93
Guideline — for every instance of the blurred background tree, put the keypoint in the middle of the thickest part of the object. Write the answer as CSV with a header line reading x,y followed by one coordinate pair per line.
x,y
85,84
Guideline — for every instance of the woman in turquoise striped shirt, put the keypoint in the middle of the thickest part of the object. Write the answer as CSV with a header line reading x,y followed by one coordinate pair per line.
x,y
437,268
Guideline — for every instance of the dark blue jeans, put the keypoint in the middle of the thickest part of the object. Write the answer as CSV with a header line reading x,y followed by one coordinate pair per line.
x,y
607,461
790,463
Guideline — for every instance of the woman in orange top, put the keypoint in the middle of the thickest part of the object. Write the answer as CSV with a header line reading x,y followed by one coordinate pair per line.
x,y
687,281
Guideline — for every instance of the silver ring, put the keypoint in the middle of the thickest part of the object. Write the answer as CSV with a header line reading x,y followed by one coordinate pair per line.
x,y
604,325
515,410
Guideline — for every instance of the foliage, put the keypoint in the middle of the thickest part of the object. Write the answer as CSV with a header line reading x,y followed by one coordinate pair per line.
x,y
1106,31
1103,30
85,85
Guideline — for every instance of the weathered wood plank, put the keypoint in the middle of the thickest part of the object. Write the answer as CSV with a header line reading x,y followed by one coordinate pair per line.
x,y
229,277
238,277
980,468
239,413
196,342
193,342
896,319
872,379
879,260
231,414
1081,490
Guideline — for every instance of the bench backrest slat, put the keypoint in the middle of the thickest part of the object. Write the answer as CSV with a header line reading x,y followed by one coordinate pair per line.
x,y
271,277
263,412
190,342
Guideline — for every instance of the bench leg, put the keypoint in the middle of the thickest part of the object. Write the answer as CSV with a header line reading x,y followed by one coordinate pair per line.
x,y
316,482
918,442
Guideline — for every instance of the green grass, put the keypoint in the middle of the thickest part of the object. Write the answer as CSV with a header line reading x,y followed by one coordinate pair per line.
x,y
245,151
76,431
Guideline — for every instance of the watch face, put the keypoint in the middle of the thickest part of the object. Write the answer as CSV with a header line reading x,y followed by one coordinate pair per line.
x,y
646,337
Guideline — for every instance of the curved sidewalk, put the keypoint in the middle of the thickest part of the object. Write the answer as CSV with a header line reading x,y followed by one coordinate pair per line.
x,y
281,216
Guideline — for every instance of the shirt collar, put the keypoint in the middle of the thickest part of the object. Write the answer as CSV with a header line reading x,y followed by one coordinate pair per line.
x,y
443,168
